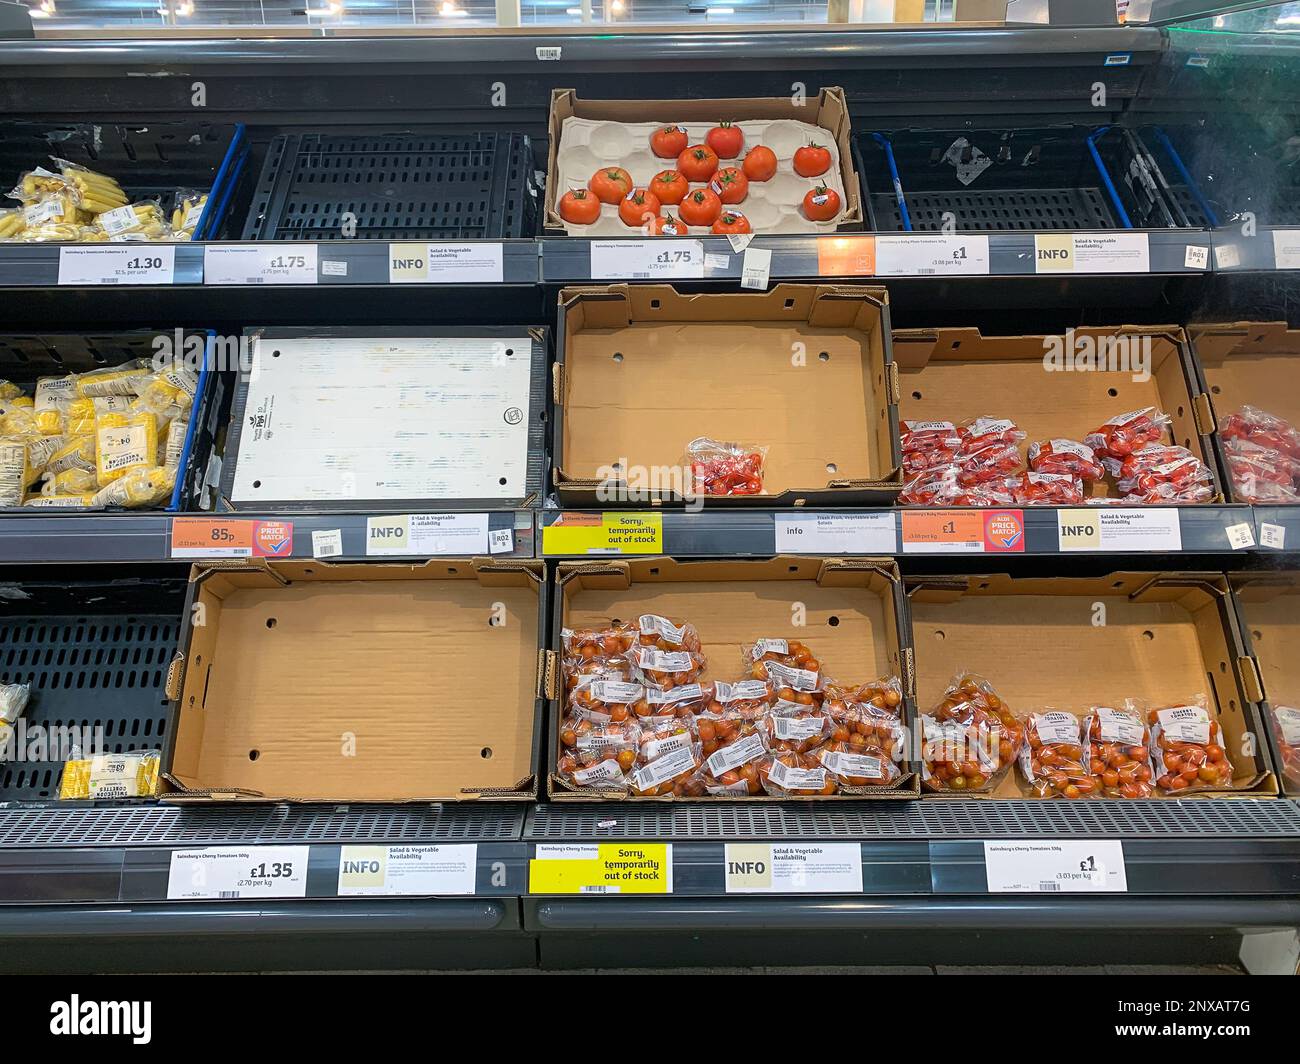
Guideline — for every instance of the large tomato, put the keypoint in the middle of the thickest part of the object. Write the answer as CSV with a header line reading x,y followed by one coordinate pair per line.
x,y
725,139
697,163
731,184
610,184
665,225
812,160
638,207
760,163
579,206
668,142
731,223
669,186
821,204
700,207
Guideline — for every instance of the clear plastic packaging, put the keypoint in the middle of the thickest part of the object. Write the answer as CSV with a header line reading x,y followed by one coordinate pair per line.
x,y
721,468
994,462
1160,473
981,433
105,776
969,739
1260,474
666,703
667,668
932,486
187,209
124,443
597,755
1049,489
1000,492
669,767
1118,751
1286,729
13,700
739,746
918,437
1053,759
13,221
1067,458
787,652
867,736
606,701
1187,750
748,699
789,774
1261,428
1123,434
663,634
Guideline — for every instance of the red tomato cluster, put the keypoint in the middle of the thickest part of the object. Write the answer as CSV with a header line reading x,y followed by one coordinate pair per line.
x,y
1187,749
1158,473
1049,489
720,186
1066,458
977,464
1054,760
784,730
970,738
719,468
1122,435
1263,456
1118,753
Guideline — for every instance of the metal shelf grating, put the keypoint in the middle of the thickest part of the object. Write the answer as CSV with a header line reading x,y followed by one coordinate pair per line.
x,y
956,818
159,825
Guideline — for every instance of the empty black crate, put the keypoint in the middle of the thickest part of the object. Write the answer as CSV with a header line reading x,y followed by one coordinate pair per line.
x,y
146,160
96,654
1217,176
24,358
395,186
1065,177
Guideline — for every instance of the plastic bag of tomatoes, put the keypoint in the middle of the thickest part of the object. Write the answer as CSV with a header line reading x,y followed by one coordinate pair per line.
x,y
597,755
867,736
1286,727
981,432
795,726
667,668
1158,473
668,755
989,450
604,701
969,739
593,654
1066,458
740,744
919,437
1187,750
666,703
1263,429
1049,489
788,652
789,774
1053,759
999,492
660,632
748,699
932,486
1125,433
1261,474
1117,751
719,468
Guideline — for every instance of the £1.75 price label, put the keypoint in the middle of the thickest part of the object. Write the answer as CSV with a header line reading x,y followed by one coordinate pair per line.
x,y
259,264
232,873
639,260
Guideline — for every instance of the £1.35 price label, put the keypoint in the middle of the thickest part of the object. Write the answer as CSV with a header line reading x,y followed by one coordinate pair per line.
x,y
238,872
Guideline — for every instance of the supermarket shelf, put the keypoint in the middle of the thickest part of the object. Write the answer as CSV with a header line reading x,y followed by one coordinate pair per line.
x,y
754,533
1278,527
1266,248
147,537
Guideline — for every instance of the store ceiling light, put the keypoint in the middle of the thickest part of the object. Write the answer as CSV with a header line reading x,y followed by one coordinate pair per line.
x,y
450,10
43,10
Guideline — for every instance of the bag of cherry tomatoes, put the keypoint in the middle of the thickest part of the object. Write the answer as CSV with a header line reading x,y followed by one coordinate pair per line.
x,y
719,468
592,654
1066,457
597,755
662,634
1049,489
795,726
606,701
1286,728
1261,474
1053,759
1187,750
939,440
867,737
1263,429
790,774
739,745
932,486
1118,753
668,668
668,703
668,755
969,739
786,651
1159,473
747,699
1125,433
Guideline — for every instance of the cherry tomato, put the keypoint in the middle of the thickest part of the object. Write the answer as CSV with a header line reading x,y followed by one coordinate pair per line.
x,y
610,184
730,184
725,139
821,204
638,207
700,207
579,206
812,160
731,222
668,142
760,163
670,186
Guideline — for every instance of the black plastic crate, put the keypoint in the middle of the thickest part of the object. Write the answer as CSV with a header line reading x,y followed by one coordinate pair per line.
x,y
96,654
1217,176
152,160
395,186
990,180
26,357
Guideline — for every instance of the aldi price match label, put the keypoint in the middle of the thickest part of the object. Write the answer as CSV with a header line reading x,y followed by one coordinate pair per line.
x,y
407,870
260,264
1119,528
122,264
818,533
231,873
928,255
606,868
794,868
207,537
640,260
1031,866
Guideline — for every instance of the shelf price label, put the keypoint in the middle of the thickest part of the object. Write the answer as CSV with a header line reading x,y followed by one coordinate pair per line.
x,y
120,265
1031,866
429,534
794,868
639,260
231,873
846,256
208,537
606,868
926,255
963,531
604,533
1286,249
260,264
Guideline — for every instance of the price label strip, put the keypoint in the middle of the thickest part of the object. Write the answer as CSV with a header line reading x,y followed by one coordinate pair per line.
x,y
794,868
963,531
132,264
410,263
231,873
1092,253
607,868
259,264
639,260
1119,528
430,535
207,537
1033,866
932,256
818,533
407,870
604,533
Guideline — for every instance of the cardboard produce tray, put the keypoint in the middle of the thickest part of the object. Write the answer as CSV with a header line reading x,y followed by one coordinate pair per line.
x,y
588,134
311,682
854,614
804,370
1167,637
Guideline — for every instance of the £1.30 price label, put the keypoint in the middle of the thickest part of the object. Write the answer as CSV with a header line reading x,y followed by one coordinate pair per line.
x,y
124,264
238,872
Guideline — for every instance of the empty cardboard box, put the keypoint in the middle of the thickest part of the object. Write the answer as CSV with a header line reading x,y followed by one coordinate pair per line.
x,y
1268,606
850,613
804,370
302,681
956,374
1070,643
1248,364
